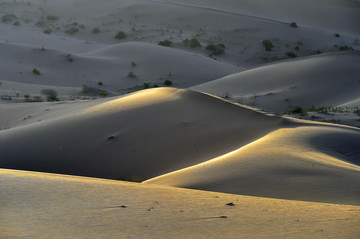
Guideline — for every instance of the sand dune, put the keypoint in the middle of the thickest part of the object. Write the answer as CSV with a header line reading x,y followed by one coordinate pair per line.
x,y
142,135
110,66
53,206
326,80
307,163
324,14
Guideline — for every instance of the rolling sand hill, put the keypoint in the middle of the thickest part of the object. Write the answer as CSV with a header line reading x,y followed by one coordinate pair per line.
x,y
327,80
287,178
133,136
307,163
111,66
53,206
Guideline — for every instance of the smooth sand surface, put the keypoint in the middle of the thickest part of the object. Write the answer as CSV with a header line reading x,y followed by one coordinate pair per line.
x,y
41,205
326,80
310,163
144,134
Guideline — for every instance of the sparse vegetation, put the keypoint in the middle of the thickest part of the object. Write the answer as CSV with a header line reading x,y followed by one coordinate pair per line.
x,y
69,58
297,48
346,48
166,43
47,31
50,94
193,43
100,83
36,71
52,18
93,91
290,54
293,25
226,95
131,75
268,45
9,17
168,82
120,35
103,93
72,31
96,30
133,64
337,35
297,110
218,49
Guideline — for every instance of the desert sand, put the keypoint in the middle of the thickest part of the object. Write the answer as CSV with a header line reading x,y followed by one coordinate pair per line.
x,y
179,119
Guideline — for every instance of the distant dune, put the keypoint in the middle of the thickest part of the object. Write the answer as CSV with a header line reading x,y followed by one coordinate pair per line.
x,y
111,66
326,80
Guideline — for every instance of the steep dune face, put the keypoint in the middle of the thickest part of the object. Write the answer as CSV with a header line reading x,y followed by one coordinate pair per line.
x,y
324,80
304,163
142,135
55,206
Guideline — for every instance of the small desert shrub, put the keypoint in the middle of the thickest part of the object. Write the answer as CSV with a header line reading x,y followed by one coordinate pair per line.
x,y
218,49
168,82
69,58
9,18
96,30
345,48
89,90
131,75
297,110
268,45
297,48
17,23
120,35
146,85
50,93
193,43
100,83
293,25
103,93
52,18
47,31
36,71
166,43
290,54
226,95
72,31
337,35
133,64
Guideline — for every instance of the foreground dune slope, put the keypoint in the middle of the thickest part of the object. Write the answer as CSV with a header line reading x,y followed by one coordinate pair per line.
x,y
304,82
142,135
310,163
51,206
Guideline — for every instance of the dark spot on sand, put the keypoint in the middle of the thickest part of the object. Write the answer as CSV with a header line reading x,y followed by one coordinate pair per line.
x,y
230,204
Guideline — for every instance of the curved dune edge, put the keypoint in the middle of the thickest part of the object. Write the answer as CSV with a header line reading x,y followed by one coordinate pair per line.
x,y
304,82
304,163
51,206
141,135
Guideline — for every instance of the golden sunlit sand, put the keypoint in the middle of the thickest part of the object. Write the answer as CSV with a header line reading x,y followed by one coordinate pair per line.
x,y
179,119
49,205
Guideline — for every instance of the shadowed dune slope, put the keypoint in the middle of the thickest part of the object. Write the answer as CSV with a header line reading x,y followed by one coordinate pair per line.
x,y
307,163
135,136
53,206
109,65
324,80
